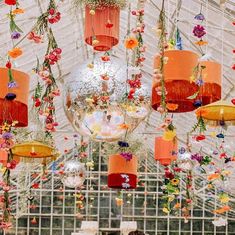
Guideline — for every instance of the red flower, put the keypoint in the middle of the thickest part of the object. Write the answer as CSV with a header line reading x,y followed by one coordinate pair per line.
x,y
233,101
200,137
10,2
109,25
37,103
233,67
105,58
35,185
8,64
169,175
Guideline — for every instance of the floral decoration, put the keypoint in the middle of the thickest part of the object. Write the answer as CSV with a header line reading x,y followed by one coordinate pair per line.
x,y
199,30
47,89
6,132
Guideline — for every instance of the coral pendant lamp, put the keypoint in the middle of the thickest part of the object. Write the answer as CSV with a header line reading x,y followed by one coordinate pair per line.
x,y
102,27
14,101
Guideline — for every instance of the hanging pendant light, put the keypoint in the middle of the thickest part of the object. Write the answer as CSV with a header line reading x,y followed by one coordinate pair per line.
x,y
102,27
177,72
165,151
14,100
218,113
122,172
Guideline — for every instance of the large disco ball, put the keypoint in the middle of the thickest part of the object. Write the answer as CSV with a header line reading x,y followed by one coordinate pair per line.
x,y
95,100
74,174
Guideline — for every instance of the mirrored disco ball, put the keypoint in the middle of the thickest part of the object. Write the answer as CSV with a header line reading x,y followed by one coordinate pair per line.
x,y
74,174
184,161
94,100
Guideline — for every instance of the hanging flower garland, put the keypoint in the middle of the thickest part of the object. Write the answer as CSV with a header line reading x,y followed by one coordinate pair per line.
x,y
44,94
171,189
10,164
199,30
158,76
134,43
16,32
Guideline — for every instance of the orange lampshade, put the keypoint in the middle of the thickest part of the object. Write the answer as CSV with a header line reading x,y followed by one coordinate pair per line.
x,y
211,90
17,109
118,164
122,173
165,151
177,73
102,26
3,156
22,88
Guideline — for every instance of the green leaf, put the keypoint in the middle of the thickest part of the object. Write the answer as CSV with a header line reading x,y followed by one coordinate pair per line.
x,y
194,96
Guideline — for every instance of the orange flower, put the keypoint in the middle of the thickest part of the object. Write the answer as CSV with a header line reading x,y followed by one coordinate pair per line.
x,y
123,126
201,43
18,11
177,205
171,106
222,210
119,201
131,43
213,176
15,52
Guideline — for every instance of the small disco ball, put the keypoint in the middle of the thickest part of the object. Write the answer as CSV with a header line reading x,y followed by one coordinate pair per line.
x,y
94,100
74,174
184,161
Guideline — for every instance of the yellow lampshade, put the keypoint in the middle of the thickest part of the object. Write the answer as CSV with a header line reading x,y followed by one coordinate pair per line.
x,y
218,111
34,149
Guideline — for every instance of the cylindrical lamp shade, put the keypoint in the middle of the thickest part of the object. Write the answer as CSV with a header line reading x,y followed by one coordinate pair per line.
x,y
17,109
122,173
211,89
102,26
165,151
177,73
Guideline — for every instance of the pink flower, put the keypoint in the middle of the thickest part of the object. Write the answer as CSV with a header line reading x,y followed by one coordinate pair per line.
x,y
199,31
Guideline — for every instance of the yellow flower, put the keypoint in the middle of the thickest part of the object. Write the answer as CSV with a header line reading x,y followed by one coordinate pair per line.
x,y
95,42
169,135
226,172
96,128
90,66
171,198
175,182
165,210
92,12
18,11
224,198
131,43
15,52
192,78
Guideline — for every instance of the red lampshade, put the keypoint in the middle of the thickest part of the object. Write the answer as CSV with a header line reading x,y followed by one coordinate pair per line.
x,y
17,109
102,26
